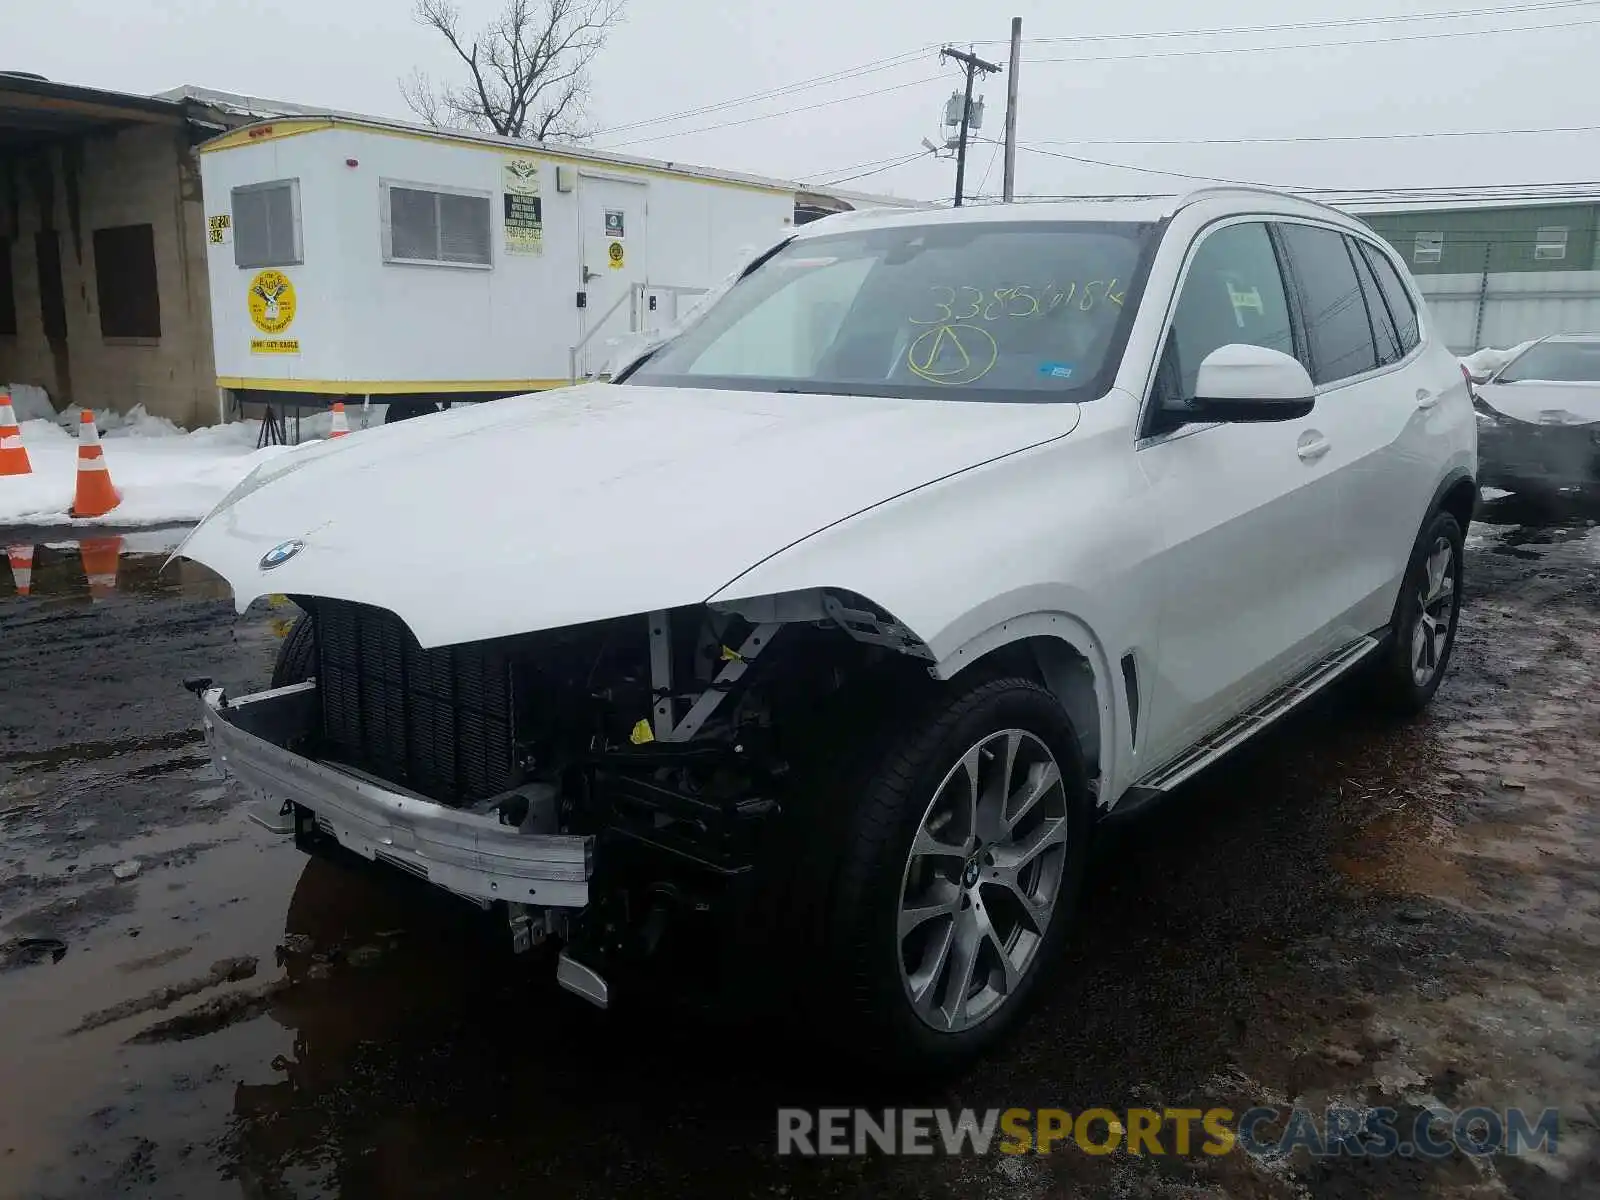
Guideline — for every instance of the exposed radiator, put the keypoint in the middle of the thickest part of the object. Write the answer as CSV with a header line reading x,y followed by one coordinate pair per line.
x,y
437,721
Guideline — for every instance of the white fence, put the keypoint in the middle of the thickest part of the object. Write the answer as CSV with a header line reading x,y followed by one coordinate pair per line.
x,y
1472,311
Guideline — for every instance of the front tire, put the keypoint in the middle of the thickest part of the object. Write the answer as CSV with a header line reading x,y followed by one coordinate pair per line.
x,y
297,656
407,410
1422,632
958,874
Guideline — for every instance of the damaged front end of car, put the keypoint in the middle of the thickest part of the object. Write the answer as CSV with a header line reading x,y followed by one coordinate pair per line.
x,y
602,786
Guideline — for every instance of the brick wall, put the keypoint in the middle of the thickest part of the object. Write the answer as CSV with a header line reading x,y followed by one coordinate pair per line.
x,y
142,175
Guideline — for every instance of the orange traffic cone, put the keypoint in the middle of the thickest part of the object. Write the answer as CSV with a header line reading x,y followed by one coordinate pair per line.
x,y
100,557
340,426
21,558
95,496
13,455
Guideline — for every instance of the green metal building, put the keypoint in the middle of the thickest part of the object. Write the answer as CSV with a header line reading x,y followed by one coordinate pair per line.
x,y
1496,273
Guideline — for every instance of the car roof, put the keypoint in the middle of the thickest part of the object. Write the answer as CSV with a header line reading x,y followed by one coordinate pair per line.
x,y
1134,210
1570,337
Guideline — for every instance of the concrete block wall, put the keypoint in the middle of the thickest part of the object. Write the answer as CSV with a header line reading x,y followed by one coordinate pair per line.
x,y
145,174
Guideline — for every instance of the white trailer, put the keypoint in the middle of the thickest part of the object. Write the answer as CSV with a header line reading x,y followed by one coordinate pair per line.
x,y
354,258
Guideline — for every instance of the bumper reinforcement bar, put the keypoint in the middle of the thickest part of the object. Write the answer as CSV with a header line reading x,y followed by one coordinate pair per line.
x,y
463,852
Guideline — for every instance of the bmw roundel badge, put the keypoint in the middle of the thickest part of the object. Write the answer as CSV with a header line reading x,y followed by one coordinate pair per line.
x,y
281,553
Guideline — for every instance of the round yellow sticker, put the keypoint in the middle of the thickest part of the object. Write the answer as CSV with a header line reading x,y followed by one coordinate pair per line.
x,y
614,253
272,301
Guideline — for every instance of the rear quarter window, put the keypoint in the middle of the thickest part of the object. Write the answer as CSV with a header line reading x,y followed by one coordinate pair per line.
x,y
1402,309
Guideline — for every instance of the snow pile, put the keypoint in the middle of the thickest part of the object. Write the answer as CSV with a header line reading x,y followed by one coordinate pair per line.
x,y
31,403
138,423
164,474
1489,360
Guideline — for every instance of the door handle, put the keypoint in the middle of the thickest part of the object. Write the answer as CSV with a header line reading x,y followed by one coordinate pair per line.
x,y
1313,448
1426,399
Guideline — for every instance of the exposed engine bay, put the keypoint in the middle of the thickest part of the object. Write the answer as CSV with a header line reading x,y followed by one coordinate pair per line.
x,y
674,740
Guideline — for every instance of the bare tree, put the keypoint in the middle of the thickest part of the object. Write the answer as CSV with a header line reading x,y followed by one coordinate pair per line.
x,y
527,71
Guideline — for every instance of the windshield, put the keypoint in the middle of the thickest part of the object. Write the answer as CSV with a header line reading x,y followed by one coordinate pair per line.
x,y
997,311
1555,362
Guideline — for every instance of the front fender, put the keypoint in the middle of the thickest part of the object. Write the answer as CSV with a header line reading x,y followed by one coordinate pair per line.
x,y
1055,541
1042,617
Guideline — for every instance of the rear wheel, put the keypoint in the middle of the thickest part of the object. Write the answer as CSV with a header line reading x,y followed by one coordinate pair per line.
x,y
1423,630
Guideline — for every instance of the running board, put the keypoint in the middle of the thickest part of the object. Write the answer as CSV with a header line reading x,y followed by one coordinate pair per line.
x,y
1242,728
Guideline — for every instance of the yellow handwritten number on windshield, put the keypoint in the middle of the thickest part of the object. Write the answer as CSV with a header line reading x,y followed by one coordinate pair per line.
x,y
952,354
944,307
977,305
1017,302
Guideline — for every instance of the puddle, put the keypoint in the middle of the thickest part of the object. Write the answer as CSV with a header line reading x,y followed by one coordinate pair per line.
x,y
1408,852
226,902
82,752
255,974
94,570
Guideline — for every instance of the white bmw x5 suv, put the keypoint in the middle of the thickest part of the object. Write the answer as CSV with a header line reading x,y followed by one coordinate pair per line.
x,y
798,663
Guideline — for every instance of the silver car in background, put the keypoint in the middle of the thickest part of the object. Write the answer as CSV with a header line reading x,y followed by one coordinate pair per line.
x,y
1539,417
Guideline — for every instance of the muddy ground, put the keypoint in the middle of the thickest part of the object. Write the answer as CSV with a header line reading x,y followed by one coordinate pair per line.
x,y
1347,910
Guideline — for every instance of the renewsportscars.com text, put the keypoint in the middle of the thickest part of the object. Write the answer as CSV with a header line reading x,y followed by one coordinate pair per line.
x,y
1263,1132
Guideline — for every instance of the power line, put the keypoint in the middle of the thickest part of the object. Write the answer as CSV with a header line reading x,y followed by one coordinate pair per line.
x,y
871,162
1559,189
905,58
784,112
1339,196
1348,137
1383,41
1563,190
1097,162
841,76
899,162
996,154
1334,23
1086,59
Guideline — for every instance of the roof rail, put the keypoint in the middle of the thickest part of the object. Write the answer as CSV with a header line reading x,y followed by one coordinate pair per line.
x,y
1199,194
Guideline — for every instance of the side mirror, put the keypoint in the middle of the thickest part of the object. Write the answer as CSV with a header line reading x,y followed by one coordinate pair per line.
x,y
1240,382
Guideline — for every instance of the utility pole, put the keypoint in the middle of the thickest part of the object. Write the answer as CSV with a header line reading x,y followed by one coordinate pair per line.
x,y
1008,192
973,64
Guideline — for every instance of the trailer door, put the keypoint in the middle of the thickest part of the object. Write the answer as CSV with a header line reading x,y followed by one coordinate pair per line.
x,y
611,213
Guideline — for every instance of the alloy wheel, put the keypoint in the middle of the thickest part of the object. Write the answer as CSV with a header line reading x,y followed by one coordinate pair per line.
x,y
982,880
1435,612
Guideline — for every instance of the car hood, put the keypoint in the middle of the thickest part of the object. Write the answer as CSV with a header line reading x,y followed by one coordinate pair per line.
x,y
583,503
1577,403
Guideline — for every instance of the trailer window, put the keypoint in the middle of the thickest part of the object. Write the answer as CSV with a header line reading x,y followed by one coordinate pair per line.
x,y
428,225
266,224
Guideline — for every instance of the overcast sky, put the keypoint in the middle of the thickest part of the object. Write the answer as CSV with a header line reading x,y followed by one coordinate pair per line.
x,y
1414,76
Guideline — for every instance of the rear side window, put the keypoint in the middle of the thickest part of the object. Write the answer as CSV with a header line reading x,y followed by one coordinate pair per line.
x,y
1395,295
1332,309
1383,331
